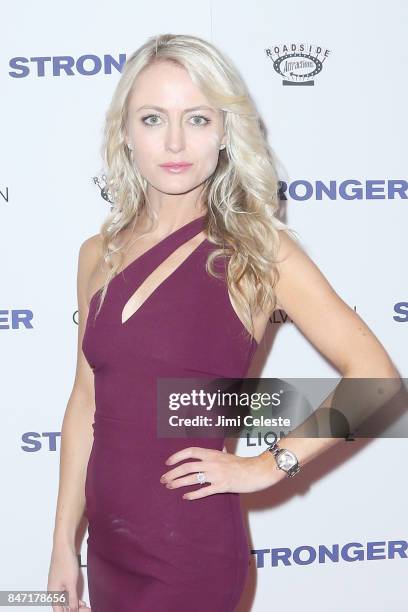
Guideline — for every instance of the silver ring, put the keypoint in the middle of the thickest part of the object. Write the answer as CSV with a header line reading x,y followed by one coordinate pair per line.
x,y
201,477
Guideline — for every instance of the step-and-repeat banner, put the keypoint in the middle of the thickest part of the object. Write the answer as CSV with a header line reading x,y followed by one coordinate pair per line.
x,y
329,80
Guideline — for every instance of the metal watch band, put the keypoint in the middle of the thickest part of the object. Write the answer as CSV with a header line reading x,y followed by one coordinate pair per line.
x,y
293,470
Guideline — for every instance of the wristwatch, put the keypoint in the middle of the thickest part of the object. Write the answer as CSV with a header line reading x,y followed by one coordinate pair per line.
x,y
286,460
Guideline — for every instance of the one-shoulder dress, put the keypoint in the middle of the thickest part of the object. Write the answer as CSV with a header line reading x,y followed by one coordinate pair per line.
x,y
148,549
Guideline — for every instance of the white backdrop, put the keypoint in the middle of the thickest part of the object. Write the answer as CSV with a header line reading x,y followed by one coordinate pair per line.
x,y
349,125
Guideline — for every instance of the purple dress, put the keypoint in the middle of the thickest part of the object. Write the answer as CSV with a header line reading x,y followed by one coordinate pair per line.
x,y
149,550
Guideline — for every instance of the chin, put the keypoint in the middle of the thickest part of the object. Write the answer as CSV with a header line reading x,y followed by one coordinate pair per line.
x,y
179,188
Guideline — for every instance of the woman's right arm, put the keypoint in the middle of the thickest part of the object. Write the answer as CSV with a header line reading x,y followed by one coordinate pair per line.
x,y
76,444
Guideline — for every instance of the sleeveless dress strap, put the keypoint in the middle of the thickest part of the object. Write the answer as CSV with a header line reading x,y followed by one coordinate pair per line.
x,y
140,268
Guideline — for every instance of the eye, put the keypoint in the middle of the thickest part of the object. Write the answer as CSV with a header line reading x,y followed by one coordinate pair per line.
x,y
144,119
207,121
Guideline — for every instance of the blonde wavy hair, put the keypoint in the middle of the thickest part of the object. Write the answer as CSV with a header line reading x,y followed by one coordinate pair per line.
x,y
242,193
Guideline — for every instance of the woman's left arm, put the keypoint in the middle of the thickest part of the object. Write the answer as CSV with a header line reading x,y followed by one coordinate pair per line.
x,y
340,335
334,328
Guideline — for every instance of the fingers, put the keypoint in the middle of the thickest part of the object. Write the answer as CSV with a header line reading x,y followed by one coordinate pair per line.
x,y
181,470
196,466
73,601
191,479
72,598
81,606
203,492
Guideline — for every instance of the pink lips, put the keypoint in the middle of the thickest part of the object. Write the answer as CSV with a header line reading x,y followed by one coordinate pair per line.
x,y
175,164
176,167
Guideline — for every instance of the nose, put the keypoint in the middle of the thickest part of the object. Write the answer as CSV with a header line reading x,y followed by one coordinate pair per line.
x,y
175,137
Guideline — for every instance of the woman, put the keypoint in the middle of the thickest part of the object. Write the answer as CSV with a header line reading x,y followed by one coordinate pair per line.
x,y
156,300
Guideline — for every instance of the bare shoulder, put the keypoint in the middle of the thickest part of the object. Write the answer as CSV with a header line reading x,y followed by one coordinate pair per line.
x,y
89,258
301,286
292,259
91,249
315,307
287,244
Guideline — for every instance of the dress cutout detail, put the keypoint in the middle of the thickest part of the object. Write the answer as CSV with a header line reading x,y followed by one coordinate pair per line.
x,y
159,275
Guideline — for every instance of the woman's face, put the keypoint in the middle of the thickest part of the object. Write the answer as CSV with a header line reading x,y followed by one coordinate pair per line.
x,y
173,133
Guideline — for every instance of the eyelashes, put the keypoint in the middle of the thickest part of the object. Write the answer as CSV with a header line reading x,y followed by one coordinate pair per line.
x,y
146,117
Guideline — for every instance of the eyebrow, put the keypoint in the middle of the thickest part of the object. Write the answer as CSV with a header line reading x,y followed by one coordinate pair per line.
x,y
159,108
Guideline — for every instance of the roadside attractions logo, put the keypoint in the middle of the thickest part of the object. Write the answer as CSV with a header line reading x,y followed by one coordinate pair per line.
x,y
297,63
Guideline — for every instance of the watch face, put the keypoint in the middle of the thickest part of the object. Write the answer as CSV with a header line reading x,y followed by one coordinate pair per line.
x,y
286,460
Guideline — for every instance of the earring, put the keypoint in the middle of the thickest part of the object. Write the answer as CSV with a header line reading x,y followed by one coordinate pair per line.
x,y
130,147
222,146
